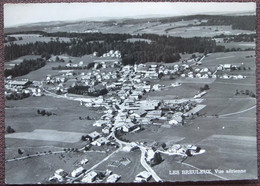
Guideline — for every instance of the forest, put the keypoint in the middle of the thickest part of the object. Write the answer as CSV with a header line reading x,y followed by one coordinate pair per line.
x,y
161,49
25,67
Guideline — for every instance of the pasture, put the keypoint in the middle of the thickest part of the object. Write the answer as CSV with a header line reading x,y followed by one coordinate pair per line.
x,y
33,39
234,58
23,117
12,63
242,45
43,167
48,135
127,172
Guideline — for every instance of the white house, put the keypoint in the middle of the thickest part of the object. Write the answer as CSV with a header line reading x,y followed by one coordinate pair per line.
x,y
143,177
113,178
89,177
77,172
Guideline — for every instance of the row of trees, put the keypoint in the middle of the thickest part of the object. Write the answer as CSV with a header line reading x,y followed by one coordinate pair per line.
x,y
25,67
45,113
245,92
79,89
17,96
84,90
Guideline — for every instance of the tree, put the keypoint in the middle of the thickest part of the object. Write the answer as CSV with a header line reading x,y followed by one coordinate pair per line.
x,y
83,138
206,87
172,77
160,75
10,129
163,145
43,112
20,151
57,59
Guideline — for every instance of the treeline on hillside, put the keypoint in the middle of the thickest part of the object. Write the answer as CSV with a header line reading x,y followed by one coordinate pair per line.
x,y
25,67
238,38
237,22
162,49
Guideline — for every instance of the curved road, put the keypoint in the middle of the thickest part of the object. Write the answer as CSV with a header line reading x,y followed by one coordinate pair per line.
x,y
239,112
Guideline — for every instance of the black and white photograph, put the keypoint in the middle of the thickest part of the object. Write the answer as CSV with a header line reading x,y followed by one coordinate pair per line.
x,y
123,92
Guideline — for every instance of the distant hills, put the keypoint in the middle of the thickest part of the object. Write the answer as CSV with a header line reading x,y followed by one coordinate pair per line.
x,y
63,25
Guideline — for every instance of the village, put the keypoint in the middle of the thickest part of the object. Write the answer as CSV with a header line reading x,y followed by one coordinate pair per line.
x,y
151,98
120,90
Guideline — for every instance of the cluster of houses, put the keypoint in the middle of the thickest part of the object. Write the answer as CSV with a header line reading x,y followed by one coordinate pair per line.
x,y
227,76
75,65
112,53
14,88
81,175
185,150
198,73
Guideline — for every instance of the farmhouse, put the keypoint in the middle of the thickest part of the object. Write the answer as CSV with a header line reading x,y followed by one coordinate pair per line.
x,y
84,161
89,177
24,83
149,105
227,66
155,114
100,141
130,147
77,172
93,136
106,130
128,127
152,157
60,172
200,94
113,178
100,123
143,177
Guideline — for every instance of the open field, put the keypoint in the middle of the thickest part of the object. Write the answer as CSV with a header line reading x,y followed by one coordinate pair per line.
x,y
48,135
196,130
12,63
234,58
25,118
242,45
206,31
186,90
34,39
127,172
219,147
183,28
40,74
230,149
36,171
